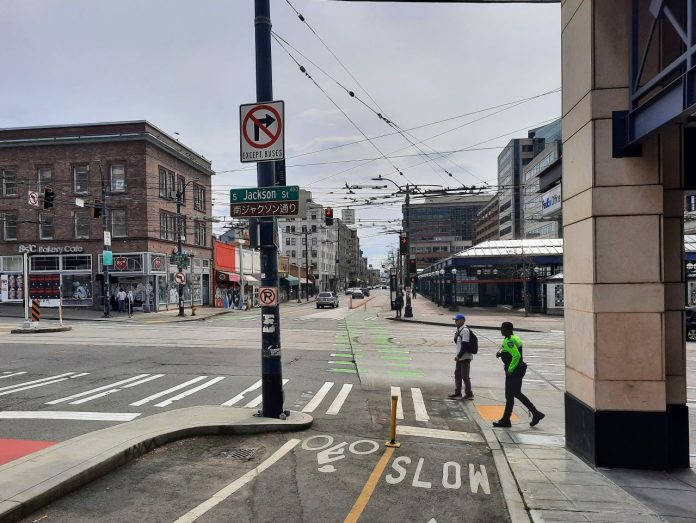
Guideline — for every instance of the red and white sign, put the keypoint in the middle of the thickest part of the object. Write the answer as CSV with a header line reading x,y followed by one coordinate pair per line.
x,y
262,131
268,296
180,278
121,263
33,198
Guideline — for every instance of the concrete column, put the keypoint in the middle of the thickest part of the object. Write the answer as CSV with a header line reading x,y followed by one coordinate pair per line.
x,y
623,259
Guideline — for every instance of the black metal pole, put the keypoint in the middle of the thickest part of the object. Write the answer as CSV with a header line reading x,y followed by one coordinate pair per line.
x,y
306,252
180,251
271,368
105,228
408,310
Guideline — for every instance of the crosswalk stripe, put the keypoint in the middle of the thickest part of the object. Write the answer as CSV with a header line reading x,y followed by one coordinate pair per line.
x,y
240,396
165,392
340,399
98,389
153,377
396,391
111,391
419,405
67,415
318,397
258,399
189,392
36,381
7,375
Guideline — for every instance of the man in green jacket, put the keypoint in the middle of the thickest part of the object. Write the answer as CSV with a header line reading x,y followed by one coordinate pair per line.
x,y
515,368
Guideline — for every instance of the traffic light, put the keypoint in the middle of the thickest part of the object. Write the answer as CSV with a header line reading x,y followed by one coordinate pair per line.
x,y
328,216
97,209
412,266
403,245
49,196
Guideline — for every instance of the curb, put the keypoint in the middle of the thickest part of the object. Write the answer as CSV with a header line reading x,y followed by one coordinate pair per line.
x,y
484,327
37,479
517,510
41,330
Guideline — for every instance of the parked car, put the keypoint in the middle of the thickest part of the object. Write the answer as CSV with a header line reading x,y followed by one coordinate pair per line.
x,y
327,299
690,323
357,294
365,291
350,291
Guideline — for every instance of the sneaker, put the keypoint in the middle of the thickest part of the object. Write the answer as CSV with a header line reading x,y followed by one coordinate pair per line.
x,y
536,418
455,396
503,423
469,397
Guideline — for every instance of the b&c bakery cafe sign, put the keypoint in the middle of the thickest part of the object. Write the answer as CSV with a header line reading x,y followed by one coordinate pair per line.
x,y
50,249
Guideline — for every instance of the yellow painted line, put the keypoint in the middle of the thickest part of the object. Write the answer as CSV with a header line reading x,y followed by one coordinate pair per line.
x,y
369,487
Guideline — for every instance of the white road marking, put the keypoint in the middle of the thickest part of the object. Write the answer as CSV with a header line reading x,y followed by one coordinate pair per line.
x,y
153,377
189,392
66,415
340,399
240,396
165,392
405,430
233,487
419,405
318,397
396,391
258,399
36,381
7,375
12,391
79,375
111,391
98,389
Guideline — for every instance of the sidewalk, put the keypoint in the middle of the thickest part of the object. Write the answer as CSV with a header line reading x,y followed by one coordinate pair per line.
x,y
546,482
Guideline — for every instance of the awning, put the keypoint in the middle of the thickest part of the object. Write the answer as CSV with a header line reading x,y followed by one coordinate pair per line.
x,y
304,282
292,280
227,276
250,280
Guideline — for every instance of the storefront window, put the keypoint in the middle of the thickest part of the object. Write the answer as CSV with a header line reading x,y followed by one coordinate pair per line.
x,y
77,263
77,289
44,263
12,263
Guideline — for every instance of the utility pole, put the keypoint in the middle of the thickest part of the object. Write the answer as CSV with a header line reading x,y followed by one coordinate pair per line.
x,y
408,310
105,228
271,367
306,241
180,251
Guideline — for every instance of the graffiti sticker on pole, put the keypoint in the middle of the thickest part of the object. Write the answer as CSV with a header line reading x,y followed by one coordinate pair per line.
x,y
262,131
268,296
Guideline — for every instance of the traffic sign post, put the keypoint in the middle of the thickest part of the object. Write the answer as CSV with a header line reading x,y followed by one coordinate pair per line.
x,y
262,132
259,202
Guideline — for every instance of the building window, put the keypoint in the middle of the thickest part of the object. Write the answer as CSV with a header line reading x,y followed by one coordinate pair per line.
x,y
293,241
287,241
166,184
314,254
200,232
45,226
118,177
691,203
294,254
181,188
314,228
9,227
82,224
287,228
198,197
81,179
80,262
292,229
167,226
315,242
118,223
44,176
304,228
304,241
314,216
9,182
44,263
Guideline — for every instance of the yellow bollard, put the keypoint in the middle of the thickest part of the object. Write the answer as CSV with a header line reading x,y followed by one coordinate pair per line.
x,y
393,442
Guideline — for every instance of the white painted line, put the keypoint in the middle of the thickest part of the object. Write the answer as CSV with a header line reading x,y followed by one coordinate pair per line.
x,y
33,386
79,375
258,399
470,437
419,405
165,392
98,389
7,375
318,397
396,391
95,396
67,415
189,392
153,377
36,381
233,487
240,396
340,399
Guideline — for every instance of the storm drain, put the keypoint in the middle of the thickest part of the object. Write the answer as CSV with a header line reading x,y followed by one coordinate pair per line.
x,y
240,454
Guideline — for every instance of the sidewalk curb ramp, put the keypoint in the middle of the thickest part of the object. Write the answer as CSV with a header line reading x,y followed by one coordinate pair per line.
x,y
440,324
37,479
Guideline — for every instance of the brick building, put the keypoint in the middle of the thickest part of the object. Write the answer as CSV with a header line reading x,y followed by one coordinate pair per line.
x,y
142,169
487,227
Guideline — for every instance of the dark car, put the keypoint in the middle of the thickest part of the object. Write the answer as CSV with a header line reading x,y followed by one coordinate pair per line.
x,y
690,323
365,291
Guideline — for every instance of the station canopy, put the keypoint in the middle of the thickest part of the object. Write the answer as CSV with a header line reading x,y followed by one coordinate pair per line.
x,y
501,248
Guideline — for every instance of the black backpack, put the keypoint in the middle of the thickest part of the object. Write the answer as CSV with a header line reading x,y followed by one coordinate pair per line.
x,y
473,342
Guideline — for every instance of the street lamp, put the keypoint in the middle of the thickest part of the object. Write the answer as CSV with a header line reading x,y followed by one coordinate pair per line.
x,y
442,287
453,295
179,240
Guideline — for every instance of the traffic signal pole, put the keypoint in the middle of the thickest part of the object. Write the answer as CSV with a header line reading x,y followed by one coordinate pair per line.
x,y
271,368
105,227
408,309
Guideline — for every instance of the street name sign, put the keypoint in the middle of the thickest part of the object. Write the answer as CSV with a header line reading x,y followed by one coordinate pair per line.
x,y
260,202
262,131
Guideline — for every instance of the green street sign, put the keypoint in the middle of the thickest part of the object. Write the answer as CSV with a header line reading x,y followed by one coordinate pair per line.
x,y
108,257
283,193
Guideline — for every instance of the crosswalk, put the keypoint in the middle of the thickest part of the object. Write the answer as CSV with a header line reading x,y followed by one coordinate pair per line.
x,y
129,396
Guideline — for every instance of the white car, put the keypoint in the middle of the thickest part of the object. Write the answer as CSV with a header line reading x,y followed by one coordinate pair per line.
x,y
327,299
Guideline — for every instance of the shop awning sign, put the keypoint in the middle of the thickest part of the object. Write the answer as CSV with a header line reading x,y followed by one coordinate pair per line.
x,y
262,131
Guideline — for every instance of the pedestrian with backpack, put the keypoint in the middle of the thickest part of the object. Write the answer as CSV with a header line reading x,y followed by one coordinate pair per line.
x,y
466,344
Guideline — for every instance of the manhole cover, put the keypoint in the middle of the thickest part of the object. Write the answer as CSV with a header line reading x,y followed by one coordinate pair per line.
x,y
239,454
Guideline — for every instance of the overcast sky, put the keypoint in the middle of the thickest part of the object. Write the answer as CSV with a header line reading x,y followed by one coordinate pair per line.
x,y
187,65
